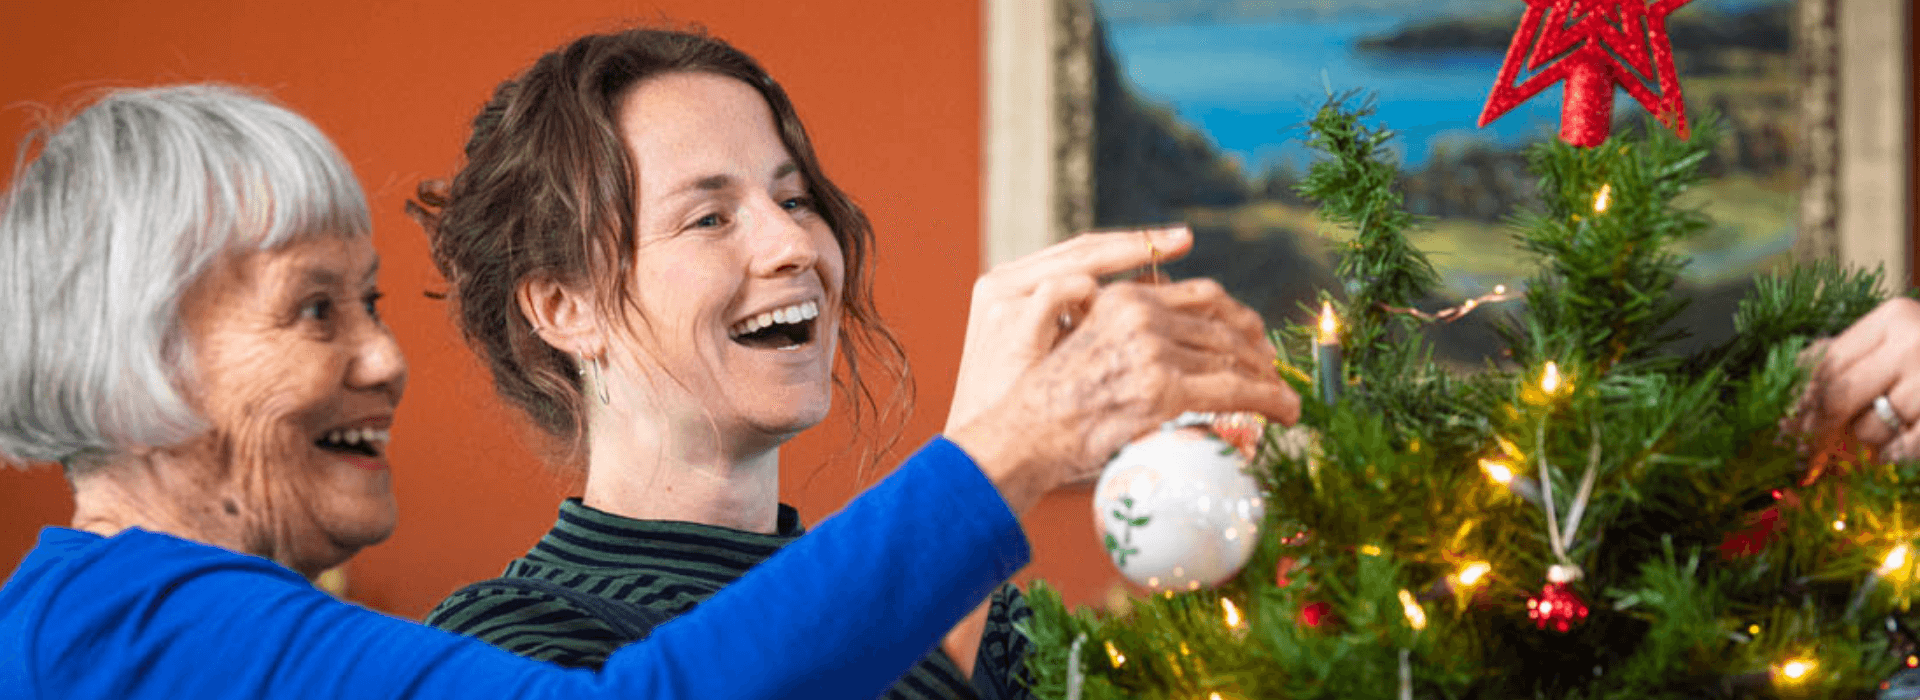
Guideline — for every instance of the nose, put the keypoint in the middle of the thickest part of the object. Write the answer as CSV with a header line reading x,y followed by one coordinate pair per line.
x,y
782,244
378,364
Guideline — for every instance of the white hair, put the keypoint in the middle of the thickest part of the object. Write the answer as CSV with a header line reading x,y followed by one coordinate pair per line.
x,y
126,205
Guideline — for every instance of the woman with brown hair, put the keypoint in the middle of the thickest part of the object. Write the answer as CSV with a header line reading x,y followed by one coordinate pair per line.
x,y
189,297
648,254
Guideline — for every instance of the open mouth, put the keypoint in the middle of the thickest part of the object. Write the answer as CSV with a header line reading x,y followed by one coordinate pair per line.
x,y
785,328
365,442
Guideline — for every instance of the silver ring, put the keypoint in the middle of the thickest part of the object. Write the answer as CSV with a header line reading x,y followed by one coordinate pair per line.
x,y
1884,409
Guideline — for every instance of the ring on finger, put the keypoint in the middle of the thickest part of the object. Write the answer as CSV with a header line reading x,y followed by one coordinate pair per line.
x,y
1884,409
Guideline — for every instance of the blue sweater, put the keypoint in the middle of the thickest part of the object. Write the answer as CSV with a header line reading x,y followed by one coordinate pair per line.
x,y
142,615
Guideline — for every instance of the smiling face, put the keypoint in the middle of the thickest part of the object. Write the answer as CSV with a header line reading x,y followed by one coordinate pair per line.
x,y
736,282
299,379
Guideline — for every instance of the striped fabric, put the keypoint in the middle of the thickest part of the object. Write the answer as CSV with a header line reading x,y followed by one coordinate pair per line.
x,y
671,567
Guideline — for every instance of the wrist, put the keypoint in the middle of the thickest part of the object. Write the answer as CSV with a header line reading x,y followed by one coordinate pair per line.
x,y
1011,464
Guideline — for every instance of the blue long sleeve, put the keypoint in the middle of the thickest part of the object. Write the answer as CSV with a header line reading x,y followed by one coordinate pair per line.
x,y
840,613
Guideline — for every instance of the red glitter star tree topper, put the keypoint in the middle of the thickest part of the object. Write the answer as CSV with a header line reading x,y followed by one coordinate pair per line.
x,y
1593,45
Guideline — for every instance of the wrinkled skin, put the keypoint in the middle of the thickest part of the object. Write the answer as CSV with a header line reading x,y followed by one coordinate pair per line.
x,y
285,348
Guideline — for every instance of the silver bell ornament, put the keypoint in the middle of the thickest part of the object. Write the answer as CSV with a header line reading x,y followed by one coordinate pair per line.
x,y
1176,508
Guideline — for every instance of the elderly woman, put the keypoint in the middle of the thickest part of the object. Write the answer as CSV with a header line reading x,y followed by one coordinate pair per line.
x,y
683,276
189,310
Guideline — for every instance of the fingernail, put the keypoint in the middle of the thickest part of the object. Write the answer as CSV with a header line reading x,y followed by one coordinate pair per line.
x,y
1174,233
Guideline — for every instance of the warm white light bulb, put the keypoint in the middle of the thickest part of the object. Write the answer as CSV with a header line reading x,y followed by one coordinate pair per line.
x,y
1796,669
1231,614
1550,378
1895,559
1604,198
1416,617
1497,471
1471,573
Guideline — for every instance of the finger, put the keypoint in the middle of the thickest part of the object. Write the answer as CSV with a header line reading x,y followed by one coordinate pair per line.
x,y
1844,395
1904,448
1214,338
1858,340
1230,391
1870,428
1805,413
1065,298
1101,253
1206,297
1815,353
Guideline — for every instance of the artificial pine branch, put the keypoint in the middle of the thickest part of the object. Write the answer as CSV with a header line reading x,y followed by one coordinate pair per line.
x,y
1603,232
1709,553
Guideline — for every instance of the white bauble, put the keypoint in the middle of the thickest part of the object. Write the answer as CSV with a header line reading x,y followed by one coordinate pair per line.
x,y
1177,510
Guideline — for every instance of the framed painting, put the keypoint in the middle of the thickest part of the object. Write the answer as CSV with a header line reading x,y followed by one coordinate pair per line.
x,y
1107,113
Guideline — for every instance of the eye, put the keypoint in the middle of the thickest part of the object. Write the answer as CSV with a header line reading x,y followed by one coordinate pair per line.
x,y
372,303
317,309
708,221
797,203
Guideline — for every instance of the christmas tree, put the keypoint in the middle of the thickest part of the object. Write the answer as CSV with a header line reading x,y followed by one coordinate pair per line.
x,y
1592,517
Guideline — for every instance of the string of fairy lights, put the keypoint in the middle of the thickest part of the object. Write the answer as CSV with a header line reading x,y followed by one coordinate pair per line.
x,y
1556,606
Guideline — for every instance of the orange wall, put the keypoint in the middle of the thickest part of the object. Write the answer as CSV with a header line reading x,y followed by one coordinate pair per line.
x,y
891,91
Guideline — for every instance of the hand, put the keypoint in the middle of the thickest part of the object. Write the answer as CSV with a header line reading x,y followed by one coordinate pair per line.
x,y
1019,307
1142,355
1879,355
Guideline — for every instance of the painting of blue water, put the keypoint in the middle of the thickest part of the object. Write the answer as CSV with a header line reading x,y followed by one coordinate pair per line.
x,y
1204,102
1249,86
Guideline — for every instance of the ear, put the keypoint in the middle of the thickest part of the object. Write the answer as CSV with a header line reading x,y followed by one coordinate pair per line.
x,y
564,315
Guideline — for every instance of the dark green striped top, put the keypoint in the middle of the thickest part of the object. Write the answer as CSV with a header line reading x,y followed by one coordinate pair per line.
x,y
672,566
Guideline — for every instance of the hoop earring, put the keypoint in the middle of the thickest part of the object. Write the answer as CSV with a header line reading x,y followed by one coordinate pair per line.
x,y
599,381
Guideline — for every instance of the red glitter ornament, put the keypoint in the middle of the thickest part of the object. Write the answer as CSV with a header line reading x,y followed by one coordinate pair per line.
x,y
1593,45
1557,605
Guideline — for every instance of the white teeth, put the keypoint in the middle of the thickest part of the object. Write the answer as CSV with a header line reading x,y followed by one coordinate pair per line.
x,y
804,311
355,436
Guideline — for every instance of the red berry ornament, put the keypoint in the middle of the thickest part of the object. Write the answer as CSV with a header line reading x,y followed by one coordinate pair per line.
x,y
1315,613
1557,606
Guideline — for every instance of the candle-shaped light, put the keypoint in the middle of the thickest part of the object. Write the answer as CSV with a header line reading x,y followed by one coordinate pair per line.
x,y
1550,379
1114,655
1326,356
1602,199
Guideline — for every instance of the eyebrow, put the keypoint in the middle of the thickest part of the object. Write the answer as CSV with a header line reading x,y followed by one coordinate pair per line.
x,y
712,183
327,277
